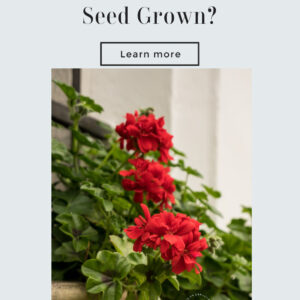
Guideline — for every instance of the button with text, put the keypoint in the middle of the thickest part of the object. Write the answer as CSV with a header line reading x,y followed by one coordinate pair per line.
x,y
149,54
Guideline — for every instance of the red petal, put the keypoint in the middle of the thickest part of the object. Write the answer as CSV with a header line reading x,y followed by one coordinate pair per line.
x,y
188,260
138,197
203,244
146,211
172,239
147,144
178,265
130,119
133,130
138,245
161,122
185,227
196,269
194,246
133,232
128,184
127,172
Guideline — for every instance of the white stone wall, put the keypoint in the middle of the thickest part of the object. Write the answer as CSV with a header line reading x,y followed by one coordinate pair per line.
x,y
234,142
125,90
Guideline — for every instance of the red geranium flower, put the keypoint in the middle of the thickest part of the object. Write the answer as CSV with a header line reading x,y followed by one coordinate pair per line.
x,y
145,133
138,232
151,179
177,236
186,260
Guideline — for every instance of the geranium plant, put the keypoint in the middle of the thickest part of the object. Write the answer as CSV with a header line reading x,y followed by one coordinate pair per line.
x,y
124,226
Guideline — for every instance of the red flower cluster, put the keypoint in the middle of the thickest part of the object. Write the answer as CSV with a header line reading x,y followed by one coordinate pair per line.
x,y
177,236
145,133
150,178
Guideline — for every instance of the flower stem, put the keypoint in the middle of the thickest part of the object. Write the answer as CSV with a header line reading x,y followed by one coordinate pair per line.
x,y
124,163
130,210
157,255
108,155
75,145
87,251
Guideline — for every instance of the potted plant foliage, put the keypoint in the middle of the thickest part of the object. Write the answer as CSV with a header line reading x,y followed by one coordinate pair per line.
x,y
123,228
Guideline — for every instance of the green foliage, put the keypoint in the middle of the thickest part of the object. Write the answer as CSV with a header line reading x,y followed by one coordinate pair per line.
x,y
90,210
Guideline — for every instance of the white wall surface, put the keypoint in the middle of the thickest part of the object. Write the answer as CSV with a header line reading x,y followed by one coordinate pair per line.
x,y
125,90
234,142
207,110
193,116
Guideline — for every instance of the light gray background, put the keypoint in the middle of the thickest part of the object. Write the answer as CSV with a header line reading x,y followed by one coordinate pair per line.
x,y
36,37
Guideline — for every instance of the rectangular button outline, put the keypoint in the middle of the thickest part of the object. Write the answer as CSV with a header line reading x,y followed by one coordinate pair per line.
x,y
145,65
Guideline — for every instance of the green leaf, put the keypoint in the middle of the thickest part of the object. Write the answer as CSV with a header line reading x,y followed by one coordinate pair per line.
x,y
236,295
139,276
190,208
90,104
84,140
235,245
192,277
217,280
151,289
155,289
73,220
113,189
99,194
69,91
161,277
94,191
78,229
211,191
181,164
64,171
81,204
80,245
92,163
211,266
90,233
67,252
122,245
113,263
107,204
173,279
245,281
239,229
135,258
207,221
78,204
131,296
193,172
121,204
220,297
177,152
213,210
60,151
200,195
95,269
96,287
247,210
113,292
144,295
241,261
117,223
64,195
125,248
